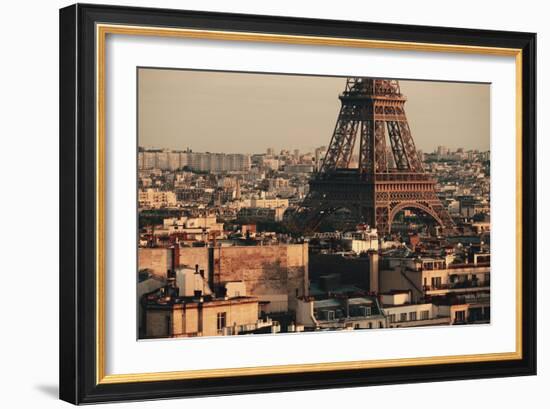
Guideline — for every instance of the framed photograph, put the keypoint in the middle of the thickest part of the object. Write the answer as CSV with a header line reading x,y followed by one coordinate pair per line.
x,y
258,203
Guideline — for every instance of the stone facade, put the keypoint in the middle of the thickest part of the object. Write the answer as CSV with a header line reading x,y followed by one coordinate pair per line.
x,y
275,274
157,260
200,318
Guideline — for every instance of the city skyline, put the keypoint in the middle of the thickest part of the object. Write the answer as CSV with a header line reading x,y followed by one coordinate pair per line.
x,y
291,150
237,239
172,102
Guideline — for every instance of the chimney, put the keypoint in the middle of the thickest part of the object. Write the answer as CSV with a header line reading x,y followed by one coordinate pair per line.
x,y
171,288
175,257
374,272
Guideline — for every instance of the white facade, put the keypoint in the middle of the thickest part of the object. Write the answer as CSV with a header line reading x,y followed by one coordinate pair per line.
x,y
398,298
269,203
411,315
235,289
188,281
154,198
360,246
205,162
192,225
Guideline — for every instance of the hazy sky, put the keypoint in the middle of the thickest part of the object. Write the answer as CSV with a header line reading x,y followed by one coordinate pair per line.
x,y
239,112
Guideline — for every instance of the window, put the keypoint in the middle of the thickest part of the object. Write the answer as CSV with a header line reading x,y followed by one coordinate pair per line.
x,y
392,317
460,316
424,315
436,282
403,316
370,325
221,318
412,316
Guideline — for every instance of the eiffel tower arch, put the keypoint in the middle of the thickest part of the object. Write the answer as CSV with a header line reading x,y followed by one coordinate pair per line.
x,y
385,179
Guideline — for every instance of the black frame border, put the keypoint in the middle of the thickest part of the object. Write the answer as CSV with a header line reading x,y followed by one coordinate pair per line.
x,y
78,197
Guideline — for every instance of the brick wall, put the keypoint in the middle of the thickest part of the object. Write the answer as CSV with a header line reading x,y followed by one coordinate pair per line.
x,y
158,260
272,273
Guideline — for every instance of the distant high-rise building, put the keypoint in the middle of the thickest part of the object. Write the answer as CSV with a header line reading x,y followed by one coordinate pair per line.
x,y
205,162
162,160
238,190
442,151
319,156
149,160
174,161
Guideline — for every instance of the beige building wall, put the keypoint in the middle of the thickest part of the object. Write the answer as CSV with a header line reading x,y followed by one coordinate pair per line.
x,y
236,314
272,273
305,313
276,273
394,280
433,311
456,308
194,319
188,321
427,276
158,260
191,256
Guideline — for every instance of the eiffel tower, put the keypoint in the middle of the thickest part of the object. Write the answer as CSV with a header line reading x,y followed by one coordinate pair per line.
x,y
376,189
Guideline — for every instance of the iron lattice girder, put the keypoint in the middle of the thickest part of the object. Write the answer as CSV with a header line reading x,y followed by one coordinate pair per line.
x,y
367,105
373,191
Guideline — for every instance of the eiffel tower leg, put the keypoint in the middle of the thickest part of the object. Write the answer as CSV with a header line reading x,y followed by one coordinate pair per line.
x,y
434,208
447,223
367,215
382,219
374,191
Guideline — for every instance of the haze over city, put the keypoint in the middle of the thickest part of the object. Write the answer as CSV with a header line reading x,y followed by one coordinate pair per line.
x,y
246,113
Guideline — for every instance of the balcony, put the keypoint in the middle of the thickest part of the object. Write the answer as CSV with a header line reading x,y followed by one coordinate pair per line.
x,y
468,265
459,285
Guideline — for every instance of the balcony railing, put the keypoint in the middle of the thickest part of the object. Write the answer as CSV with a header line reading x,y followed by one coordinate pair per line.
x,y
468,265
458,285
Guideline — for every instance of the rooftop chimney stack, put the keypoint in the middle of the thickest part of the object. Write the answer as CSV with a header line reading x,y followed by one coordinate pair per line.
x,y
374,272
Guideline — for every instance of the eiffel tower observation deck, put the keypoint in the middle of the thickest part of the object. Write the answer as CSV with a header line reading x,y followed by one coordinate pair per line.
x,y
381,182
